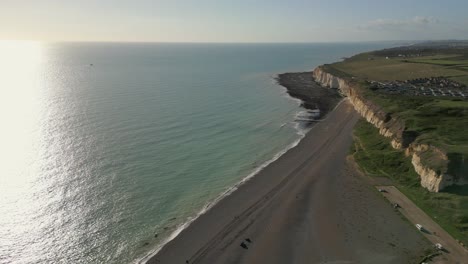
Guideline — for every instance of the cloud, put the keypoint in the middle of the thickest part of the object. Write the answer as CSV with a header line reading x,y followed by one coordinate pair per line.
x,y
425,20
393,24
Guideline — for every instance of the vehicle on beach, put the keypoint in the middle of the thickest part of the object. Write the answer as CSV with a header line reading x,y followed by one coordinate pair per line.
x,y
439,246
419,227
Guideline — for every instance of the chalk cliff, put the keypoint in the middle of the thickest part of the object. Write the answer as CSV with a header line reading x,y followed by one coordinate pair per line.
x,y
429,162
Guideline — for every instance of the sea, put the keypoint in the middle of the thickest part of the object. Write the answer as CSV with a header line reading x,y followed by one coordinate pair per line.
x,y
109,150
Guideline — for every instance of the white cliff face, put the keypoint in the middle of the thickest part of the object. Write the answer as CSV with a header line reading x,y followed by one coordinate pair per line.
x,y
328,80
429,178
371,112
433,180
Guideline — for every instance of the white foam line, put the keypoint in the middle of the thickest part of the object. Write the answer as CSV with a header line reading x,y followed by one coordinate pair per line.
x,y
274,80
229,191
212,203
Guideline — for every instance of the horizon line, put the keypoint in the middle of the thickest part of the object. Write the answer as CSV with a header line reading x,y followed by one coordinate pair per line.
x,y
219,42
222,42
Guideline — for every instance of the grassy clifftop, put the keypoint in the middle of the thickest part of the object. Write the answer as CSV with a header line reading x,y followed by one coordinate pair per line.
x,y
440,121
410,62
374,66
376,157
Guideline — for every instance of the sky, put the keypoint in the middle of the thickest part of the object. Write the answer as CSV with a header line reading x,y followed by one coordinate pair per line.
x,y
233,21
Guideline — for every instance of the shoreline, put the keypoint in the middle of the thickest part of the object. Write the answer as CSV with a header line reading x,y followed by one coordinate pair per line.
x,y
302,86
253,204
215,201
293,84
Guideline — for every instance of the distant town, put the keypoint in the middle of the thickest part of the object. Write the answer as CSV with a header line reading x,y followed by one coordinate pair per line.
x,y
435,86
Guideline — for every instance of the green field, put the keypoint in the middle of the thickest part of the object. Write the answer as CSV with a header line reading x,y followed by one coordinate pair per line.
x,y
368,66
461,79
376,157
441,61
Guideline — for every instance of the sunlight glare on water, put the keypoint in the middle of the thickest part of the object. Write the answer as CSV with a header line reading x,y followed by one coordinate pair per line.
x,y
108,148
25,185
19,109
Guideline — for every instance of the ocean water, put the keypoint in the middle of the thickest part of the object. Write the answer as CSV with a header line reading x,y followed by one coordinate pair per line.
x,y
109,149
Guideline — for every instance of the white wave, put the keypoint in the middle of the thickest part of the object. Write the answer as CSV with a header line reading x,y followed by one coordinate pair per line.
x,y
226,193
302,114
274,80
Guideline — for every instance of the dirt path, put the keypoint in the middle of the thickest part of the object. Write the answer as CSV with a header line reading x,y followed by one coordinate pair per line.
x,y
454,252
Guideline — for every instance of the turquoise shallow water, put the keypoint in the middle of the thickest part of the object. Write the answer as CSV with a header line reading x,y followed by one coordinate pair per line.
x,y
107,145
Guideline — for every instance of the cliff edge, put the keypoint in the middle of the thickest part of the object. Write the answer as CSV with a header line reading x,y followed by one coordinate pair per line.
x,y
430,162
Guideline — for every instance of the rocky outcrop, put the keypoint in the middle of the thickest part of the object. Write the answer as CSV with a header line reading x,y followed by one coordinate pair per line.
x,y
429,162
314,97
432,178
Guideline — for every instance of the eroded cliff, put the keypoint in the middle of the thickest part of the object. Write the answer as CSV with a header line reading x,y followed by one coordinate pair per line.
x,y
429,162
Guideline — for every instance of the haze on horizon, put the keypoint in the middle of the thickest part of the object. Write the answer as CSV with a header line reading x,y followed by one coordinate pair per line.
x,y
232,21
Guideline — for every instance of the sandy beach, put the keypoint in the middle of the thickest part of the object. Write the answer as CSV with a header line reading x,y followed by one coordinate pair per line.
x,y
309,206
